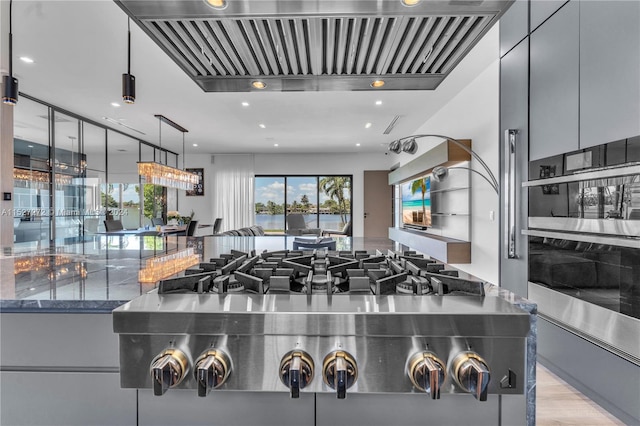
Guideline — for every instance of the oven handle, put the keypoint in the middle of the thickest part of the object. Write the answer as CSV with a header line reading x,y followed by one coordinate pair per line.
x,y
510,193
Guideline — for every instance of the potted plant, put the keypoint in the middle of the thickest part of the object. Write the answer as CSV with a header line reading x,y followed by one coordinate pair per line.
x,y
173,217
186,219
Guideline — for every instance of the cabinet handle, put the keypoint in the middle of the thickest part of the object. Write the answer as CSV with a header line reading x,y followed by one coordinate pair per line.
x,y
510,193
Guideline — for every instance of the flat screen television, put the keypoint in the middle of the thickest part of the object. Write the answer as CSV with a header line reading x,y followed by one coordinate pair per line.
x,y
416,203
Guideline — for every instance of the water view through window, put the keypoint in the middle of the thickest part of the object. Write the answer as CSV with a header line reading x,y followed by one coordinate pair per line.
x,y
324,201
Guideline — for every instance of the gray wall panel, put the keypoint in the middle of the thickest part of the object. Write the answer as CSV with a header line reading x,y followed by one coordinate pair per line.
x,y
58,340
607,379
514,114
609,71
542,9
514,25
554,84
65,399
181,407
406,410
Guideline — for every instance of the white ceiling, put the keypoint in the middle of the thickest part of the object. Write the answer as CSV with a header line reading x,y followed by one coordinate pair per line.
x,y
80,53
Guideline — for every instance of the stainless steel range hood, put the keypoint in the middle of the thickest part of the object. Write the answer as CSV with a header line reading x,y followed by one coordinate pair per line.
x,y
316,45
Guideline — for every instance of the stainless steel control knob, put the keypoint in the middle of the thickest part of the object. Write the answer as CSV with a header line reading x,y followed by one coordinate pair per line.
x,y
472,374
427,373
296,371
212,369
339,372
168,369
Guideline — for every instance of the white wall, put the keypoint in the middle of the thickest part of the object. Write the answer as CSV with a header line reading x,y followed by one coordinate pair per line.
x,y
291,164
473,114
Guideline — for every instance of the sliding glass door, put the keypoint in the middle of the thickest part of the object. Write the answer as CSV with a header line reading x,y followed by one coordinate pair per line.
x,y
324,201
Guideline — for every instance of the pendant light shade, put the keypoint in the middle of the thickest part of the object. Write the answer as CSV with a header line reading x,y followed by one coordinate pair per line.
x,y
128,80
10,90
128,88
9,82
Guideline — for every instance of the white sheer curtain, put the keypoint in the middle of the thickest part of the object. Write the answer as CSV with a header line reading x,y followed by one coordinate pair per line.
x,y
233,183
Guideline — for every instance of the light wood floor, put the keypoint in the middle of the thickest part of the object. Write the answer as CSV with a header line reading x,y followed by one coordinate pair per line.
x,y
557,403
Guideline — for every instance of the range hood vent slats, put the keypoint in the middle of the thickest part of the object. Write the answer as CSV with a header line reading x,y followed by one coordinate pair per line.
x,y
181,39
159,29
464,44
201,34
320,50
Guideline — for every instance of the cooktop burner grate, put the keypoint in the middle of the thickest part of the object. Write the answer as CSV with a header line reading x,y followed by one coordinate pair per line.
x,y
322,272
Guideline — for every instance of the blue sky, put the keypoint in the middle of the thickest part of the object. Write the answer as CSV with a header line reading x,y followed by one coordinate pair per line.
x,y
272,188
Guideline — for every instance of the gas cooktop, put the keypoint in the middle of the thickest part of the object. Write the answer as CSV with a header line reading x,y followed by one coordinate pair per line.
x,y
322,272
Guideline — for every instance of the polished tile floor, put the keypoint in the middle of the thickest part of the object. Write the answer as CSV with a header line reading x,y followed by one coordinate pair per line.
x,y
557,403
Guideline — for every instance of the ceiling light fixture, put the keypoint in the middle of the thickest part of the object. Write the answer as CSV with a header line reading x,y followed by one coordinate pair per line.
x,y
368,125
259,84
9,83
378,102
26,59
357,144
262,126
245,104
195,144
128,80
275,144
410,3
217,4
115,104
376,84
409,145
160,174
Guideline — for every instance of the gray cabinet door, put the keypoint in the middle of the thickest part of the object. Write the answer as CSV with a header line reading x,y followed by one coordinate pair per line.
x,y
514,25
609,71
555,84
514,113
542,9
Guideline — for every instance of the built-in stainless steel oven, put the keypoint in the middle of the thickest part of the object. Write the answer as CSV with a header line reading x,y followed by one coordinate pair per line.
x,y
584,245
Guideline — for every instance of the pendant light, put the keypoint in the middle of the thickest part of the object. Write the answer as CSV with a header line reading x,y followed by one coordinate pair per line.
x,y
9,83
165,175
128,80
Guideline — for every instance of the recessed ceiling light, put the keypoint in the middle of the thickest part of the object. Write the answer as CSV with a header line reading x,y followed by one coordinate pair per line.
x,y
115,104
357,144
366,126
410,2
26,59
29,146
217,4
275,144
195,144
377,84
378,102
259,84
262,126
245,104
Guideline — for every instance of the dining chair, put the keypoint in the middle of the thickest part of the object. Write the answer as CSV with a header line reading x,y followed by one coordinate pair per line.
x,y
216,225
113,225
346,230
191,228
297,226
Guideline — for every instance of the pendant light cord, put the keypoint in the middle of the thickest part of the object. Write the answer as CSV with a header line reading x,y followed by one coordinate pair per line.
x,y
128,45
182,150
10,39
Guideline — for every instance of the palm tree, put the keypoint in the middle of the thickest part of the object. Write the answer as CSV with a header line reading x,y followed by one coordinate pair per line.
x,y
334,187
421,185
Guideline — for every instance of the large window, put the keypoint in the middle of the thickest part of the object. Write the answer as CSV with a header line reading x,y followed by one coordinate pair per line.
x,y
324,201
